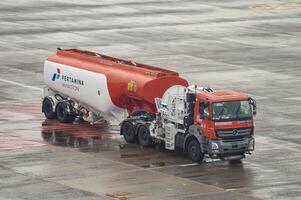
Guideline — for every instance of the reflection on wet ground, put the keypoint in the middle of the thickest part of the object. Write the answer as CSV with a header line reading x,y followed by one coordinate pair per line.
x,y
25,127
77,135
101,137
105,142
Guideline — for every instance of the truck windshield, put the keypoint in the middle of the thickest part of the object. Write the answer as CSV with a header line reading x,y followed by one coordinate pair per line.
x,y
232,110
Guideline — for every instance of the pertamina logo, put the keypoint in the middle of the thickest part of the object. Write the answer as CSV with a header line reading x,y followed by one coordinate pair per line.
x,y
56,75
72,83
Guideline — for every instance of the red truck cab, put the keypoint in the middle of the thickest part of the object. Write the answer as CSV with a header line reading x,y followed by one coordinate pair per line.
x,y
225,120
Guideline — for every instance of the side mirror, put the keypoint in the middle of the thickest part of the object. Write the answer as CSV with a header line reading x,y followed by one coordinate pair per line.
x,y
253,103
204,115
202,106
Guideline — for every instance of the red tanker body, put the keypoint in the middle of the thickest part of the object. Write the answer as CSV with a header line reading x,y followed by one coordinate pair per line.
x,y
131,85
152,104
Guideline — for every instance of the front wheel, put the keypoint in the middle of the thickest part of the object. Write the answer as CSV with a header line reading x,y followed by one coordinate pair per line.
x,y
194,151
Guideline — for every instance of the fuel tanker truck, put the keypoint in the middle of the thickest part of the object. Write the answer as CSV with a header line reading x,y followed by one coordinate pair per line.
x,y
152,105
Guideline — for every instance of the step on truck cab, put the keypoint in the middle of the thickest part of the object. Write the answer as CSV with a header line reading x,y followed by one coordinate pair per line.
x,y
152,105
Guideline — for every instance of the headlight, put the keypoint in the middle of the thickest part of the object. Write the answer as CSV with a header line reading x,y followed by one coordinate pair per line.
x,y
251,144
214,146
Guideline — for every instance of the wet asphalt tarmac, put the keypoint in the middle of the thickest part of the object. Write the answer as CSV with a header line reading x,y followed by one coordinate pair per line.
x,y
250,46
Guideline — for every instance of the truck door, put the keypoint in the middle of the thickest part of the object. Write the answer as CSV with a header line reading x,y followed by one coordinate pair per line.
x,y
203,114
204,118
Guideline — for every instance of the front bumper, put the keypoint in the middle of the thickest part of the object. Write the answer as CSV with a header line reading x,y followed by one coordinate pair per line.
x,y
230,147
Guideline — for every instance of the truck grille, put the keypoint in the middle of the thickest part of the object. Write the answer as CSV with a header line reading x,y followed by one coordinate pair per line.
x,y
234,133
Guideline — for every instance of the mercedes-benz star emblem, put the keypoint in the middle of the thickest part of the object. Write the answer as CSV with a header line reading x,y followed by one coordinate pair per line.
x,y
235,132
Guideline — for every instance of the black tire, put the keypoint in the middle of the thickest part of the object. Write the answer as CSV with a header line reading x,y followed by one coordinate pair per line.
x,y
46,136
62,113
144,136
194,151
128,131
47,109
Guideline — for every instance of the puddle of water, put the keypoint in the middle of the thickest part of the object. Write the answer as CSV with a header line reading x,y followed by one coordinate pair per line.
x,y
77,135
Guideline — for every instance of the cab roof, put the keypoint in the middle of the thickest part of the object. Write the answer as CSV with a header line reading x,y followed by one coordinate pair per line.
x,y
223,95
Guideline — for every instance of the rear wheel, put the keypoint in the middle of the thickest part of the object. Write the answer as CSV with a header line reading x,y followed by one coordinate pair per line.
x,y
128,132
144,136
194,151
47,109
64,114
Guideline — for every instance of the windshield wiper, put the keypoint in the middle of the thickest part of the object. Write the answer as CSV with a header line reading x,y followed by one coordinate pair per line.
x,y
222,110
218,115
